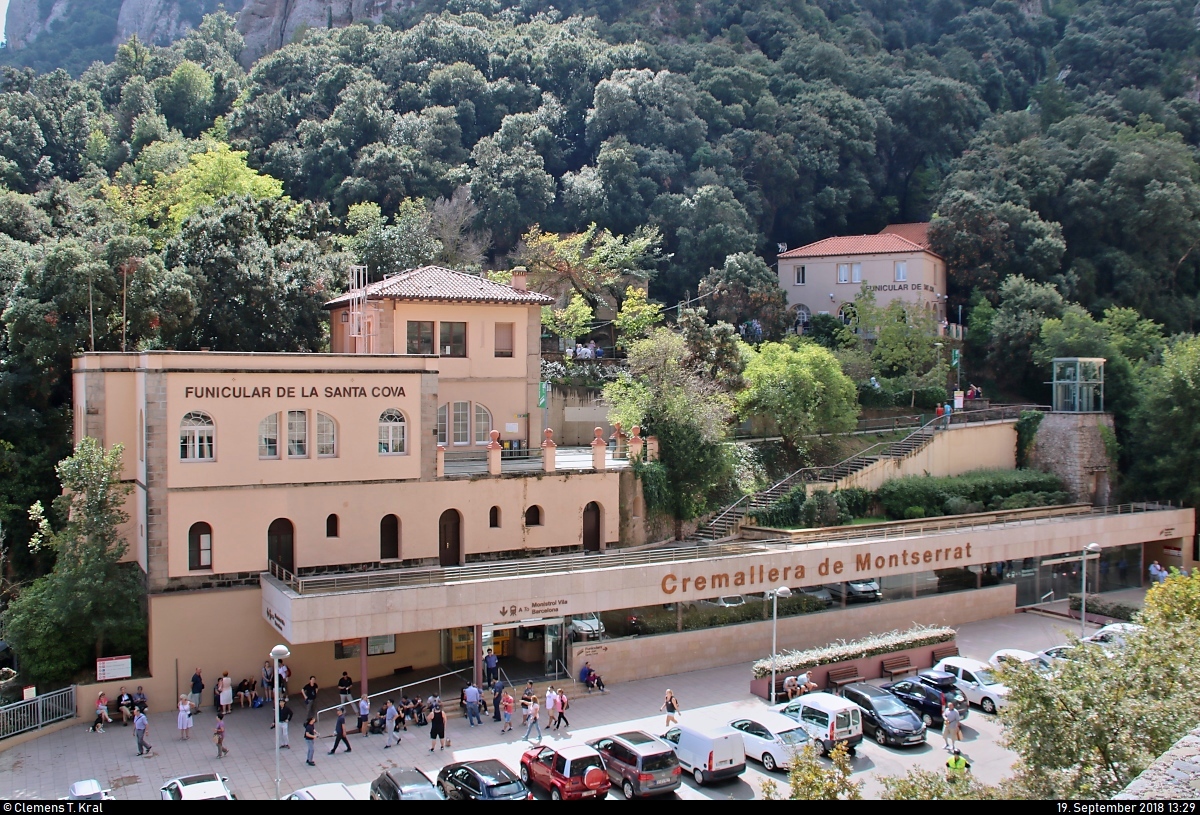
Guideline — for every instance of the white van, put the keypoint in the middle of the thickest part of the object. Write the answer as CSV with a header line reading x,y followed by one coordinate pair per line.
x,y
829,720
708,754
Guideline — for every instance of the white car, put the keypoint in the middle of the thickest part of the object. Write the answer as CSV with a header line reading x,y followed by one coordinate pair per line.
x,y
1111,637
89,790
586,626
1011,656
770,738
331,792
199,787
977,682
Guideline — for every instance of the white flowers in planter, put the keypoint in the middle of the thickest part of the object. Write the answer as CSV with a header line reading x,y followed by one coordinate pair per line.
x,y
842,651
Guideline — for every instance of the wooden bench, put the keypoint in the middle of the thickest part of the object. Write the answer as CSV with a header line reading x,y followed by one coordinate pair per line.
x,y
944,651
844,676
898,665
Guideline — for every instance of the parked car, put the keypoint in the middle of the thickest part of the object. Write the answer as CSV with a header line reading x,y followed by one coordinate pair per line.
x,y
927,693
771,738
885,717
486,780
405,784
335,791
571,773
977,682
586,626
199,787
640,764
89,790
1057,653
855,591
729,601
819,593
829,720
708,754
1112,637
1015,656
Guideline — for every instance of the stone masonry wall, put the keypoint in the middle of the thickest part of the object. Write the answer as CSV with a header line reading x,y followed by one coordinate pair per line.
x,y
158,446
1071,446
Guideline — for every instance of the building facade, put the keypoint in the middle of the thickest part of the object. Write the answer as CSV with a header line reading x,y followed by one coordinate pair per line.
x,y
824,277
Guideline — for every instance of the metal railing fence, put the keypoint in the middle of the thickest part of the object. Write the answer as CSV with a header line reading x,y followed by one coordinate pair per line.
x,y
36,713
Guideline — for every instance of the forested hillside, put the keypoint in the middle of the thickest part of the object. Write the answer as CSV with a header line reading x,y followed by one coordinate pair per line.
x,y
1056,141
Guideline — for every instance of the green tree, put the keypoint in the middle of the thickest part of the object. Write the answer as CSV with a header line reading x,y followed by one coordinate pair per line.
x,y
185,98
928,785
636,316
90,598
1016,328
809,779
571,322
746,289
405,243
802,389
1166,426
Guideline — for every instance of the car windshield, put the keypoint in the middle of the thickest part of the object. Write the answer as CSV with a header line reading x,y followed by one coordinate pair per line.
x,y
886,706
502,790
985,677
794,736
659,761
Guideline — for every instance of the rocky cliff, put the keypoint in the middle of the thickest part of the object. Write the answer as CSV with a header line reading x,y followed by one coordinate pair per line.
x,y
271,24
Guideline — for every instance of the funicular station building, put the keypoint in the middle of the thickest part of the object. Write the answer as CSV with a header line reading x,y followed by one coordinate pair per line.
x,y
396,507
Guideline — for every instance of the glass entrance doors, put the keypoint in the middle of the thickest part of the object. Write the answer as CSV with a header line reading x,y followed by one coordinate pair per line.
x,y
528,649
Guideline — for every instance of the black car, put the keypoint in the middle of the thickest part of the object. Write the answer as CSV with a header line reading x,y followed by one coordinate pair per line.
x,y
926,695
885,717
400,784
487,780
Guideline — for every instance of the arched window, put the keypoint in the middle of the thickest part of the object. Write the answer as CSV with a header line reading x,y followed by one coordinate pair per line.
x,y
331,526
389,538
268,437
494,518
803,314
847,312
196,433
391,432
200,546
443,424
326,436
483,424
533,516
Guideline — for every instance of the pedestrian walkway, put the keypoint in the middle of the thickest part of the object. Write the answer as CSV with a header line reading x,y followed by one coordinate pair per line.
x,y
44,768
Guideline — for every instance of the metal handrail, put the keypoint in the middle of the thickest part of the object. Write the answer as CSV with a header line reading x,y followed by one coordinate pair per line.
x,y
401,578
400,688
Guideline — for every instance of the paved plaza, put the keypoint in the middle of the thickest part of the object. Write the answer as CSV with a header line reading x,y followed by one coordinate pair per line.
x,y
43,768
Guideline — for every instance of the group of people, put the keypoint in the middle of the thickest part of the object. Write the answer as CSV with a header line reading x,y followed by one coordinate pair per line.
x,y
974,392
799,685
591,680
581,351
129,705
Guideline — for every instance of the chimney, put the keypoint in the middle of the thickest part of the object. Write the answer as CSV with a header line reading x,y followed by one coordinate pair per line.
x,y
519,275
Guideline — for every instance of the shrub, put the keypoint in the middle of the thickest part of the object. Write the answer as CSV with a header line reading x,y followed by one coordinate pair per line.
x,y
987,488
957,505
786,512
855,502
924,398
842,651
914,512
1105,608
822,509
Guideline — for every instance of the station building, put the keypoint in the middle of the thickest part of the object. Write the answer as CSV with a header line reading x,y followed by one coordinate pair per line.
x,y
395,507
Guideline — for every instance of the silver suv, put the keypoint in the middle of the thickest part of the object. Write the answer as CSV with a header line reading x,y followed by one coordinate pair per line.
x,y
639,764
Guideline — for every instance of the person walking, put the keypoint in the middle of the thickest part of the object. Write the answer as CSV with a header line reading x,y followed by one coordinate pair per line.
x,y
473,695
140,724
339,732
950,719
268,682
285,716
551,705
310,698
527,697
563,704
437,727
310,739
364,716
391,727
497,695
345,689
671,705
507,702
197,690
956,767
535,716
184,720
219,736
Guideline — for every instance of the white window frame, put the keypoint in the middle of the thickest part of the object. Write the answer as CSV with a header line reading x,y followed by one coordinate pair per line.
x,y
197,437
267,431
393,433
297,420
483,429
855,272
326,436
461,410
901,271
443,425
843,270
801,310
801,276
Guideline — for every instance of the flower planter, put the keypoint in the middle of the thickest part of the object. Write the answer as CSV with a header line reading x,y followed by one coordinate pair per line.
x,y
868,668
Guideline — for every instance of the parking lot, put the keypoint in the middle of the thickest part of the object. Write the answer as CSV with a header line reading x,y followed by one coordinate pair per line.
x,y
45,767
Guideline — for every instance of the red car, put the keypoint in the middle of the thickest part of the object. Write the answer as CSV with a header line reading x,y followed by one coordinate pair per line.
x,y
569,773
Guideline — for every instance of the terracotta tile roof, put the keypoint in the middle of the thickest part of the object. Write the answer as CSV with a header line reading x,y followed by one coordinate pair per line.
x,y
855,245
917,233
434,283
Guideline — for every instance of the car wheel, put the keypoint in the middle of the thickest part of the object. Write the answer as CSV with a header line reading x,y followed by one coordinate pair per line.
x,y
525,774
698,775
927,719
825,748
880,736
768,762
988,705
627,790
555,795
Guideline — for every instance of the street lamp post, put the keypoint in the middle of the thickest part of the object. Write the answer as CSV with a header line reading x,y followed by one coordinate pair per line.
x,y
277,653
782,591
1090,549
